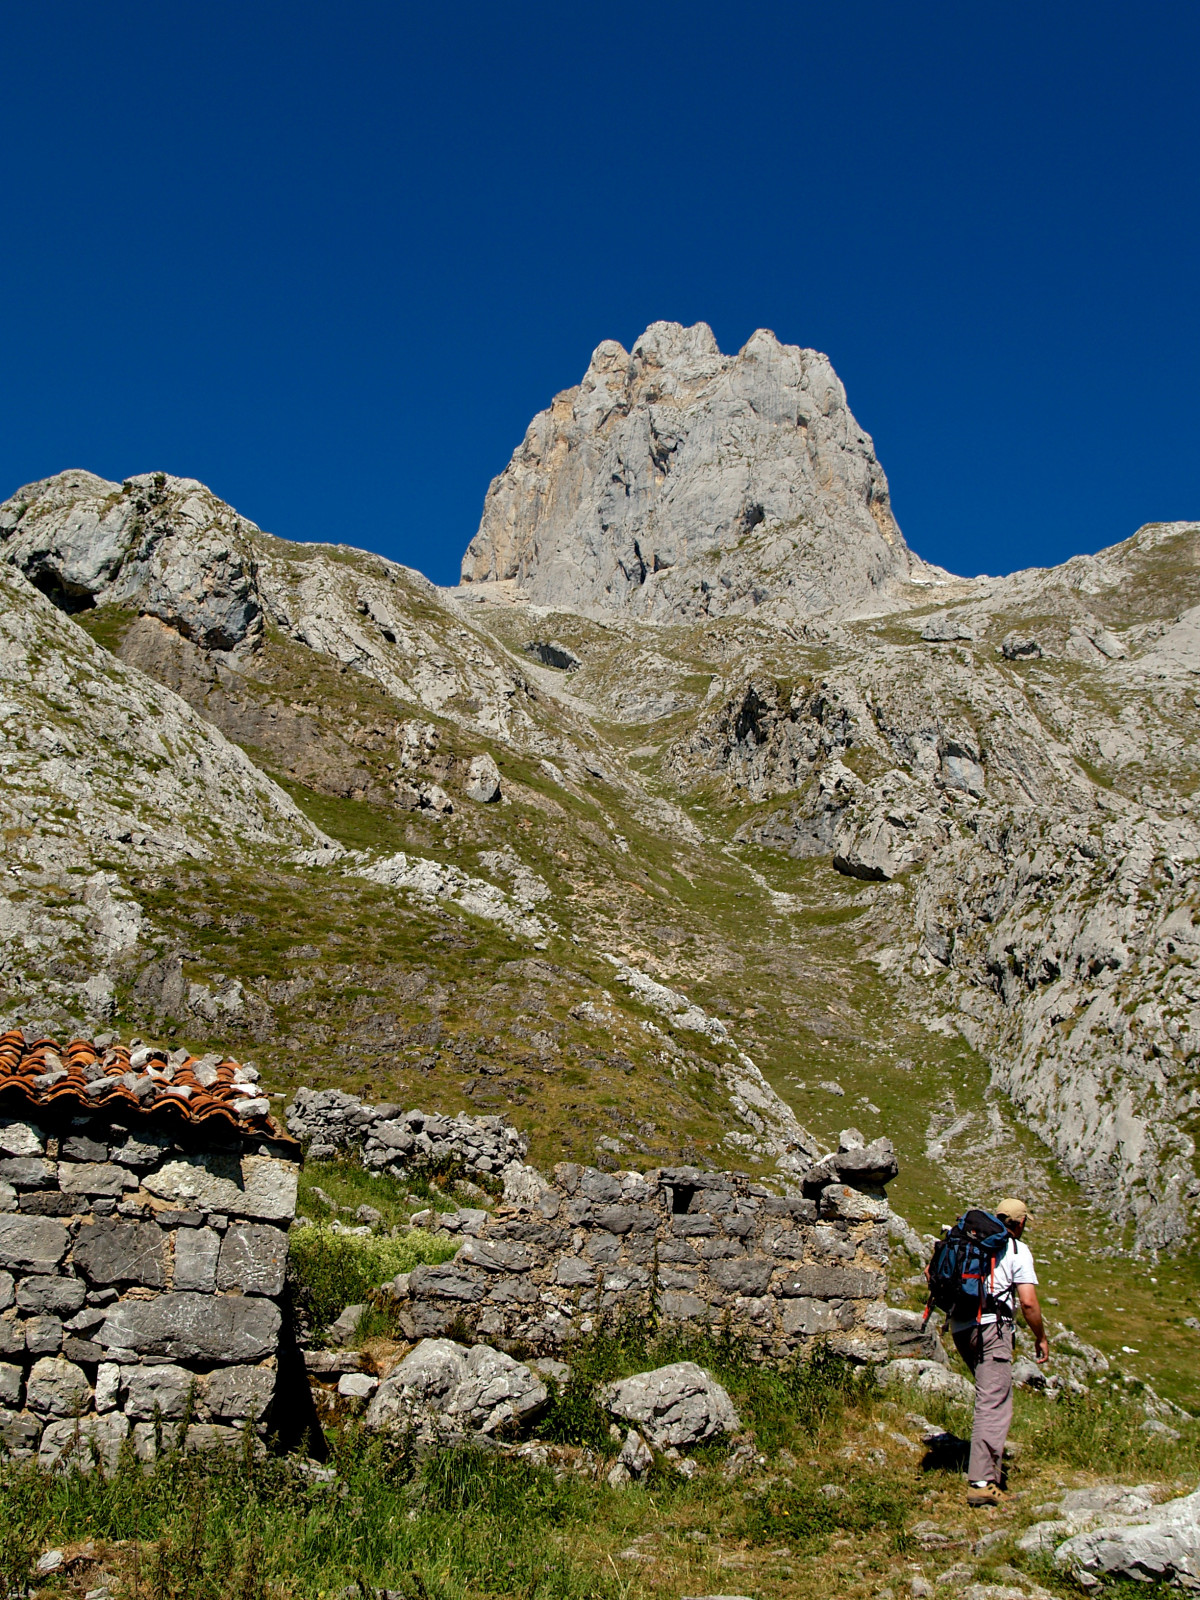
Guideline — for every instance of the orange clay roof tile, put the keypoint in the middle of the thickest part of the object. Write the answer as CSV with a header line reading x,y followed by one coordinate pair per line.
x,y
41,1073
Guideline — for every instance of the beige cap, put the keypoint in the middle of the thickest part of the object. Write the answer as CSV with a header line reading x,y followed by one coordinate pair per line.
x,y
1012,1210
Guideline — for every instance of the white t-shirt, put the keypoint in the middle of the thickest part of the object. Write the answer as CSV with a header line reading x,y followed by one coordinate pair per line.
x,y
1015,1266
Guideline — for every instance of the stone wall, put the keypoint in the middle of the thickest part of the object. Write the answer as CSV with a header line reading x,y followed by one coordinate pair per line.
x,y
699,1249
141,1278
389,1139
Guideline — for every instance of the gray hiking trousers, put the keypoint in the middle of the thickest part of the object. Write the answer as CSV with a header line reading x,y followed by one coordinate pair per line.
x,y
988,1351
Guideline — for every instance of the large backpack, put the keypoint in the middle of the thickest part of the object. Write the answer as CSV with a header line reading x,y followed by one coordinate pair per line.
x,y
962,1269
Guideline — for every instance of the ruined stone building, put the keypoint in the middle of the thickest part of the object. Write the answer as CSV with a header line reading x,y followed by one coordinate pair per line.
x,y
145,1199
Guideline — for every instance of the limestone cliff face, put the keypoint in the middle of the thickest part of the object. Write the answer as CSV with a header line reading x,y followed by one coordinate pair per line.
x,y
103,768
677,482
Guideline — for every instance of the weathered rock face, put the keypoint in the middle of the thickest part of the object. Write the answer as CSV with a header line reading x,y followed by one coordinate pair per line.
x,y
183,558
677,482
1071,943
206,587
171,786
1154,1545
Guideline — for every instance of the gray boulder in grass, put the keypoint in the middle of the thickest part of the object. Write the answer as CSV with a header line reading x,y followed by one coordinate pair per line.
x,y
680,1405
442,1387
1162,1546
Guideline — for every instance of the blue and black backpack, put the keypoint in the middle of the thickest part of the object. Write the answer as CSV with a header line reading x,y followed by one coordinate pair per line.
x,y
962,1269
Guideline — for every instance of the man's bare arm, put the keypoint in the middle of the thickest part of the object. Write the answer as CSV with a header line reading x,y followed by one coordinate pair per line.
x,y
1027,1295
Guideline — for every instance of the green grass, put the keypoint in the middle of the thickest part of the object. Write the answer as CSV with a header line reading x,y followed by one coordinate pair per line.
x,y
349,1186
830,1507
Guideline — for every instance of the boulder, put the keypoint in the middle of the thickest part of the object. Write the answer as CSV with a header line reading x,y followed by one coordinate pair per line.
x,y
256,1186
944,628
230,1394
81,1442
31,1244
57,1387
94,1178
21,1139
927,1377
43,1335
1020,647
679,1405
868,1166
253,1259
1162,1547
343,1328
483,780
60,1297
196,1254
496,1390
356,1386
161,1391
634,1461
122,1252
442,1387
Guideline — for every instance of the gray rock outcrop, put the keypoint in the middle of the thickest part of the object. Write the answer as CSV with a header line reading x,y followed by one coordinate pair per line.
x,y
1159,1546
680,1405
445,1388
677,482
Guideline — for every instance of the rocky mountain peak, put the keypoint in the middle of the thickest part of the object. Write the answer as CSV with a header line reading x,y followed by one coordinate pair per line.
x,y
675,482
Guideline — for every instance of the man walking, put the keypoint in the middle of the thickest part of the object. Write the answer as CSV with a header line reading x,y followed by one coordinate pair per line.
x,y
986,1345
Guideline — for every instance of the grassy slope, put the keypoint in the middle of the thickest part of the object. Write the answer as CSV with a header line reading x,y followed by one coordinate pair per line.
x,y
336,960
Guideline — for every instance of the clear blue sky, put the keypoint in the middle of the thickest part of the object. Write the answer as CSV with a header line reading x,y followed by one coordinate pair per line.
x,y
330,259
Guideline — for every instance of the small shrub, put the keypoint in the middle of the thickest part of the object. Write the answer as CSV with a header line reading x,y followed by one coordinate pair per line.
x,y
333,1270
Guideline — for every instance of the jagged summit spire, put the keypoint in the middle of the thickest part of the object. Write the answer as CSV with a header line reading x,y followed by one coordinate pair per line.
x,y
675,481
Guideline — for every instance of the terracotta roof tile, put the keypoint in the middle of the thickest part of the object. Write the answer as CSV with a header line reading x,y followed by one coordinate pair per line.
x,y
166,1088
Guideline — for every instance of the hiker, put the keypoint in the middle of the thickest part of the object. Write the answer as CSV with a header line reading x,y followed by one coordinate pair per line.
x,y
978,1272
985,1342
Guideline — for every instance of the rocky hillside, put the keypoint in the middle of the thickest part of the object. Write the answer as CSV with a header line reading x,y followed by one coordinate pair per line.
x,y
106,775
702,880
676,482
474,823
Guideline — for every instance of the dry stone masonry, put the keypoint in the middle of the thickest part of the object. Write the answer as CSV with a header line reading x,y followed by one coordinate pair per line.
x,y
389,1139
708,1250
142,1265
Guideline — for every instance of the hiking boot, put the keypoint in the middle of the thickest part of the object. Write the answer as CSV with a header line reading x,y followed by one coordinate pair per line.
x,y
984,1494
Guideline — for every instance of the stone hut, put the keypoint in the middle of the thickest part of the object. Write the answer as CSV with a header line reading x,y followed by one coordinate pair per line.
x,y
145,1199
